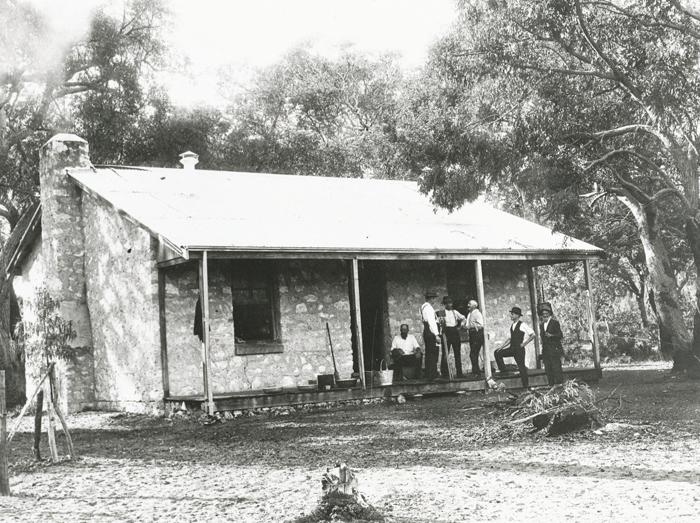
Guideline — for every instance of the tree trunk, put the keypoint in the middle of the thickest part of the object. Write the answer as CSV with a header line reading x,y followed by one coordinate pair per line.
x,y
642,303
691,360
9,361
674,334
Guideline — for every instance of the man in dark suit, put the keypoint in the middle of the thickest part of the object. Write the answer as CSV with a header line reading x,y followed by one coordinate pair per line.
x,y
552,350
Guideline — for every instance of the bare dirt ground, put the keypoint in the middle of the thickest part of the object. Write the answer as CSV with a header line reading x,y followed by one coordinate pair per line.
x,y
416,462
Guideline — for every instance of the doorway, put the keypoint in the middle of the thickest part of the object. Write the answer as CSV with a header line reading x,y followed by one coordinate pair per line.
x,y
373,313
461,283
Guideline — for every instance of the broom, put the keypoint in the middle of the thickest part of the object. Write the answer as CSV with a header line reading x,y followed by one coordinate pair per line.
x,y
330,342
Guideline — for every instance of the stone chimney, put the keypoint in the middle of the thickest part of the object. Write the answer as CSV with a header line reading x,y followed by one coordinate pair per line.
x,y
63,251
188,159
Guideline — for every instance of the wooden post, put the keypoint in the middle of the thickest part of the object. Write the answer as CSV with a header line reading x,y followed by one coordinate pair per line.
x,y
532,285
37,424
482,303
592,331
358,321
4,473
50,426
204,300
163,336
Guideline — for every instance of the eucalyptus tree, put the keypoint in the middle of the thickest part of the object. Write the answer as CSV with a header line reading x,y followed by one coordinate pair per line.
x,y
41,82
596,98
309,114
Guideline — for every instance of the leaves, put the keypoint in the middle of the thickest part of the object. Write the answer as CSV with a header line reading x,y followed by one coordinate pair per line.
x,y
43,334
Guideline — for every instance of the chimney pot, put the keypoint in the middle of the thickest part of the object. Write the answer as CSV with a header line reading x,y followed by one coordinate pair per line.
x,y
188,159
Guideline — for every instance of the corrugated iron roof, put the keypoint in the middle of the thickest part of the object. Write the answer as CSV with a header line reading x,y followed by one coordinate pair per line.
x,y
220,210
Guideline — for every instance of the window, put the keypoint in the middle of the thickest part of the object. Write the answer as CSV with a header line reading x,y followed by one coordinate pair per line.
x,y
255,306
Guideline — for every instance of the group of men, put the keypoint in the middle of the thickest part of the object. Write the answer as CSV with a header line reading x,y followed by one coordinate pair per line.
x,y
406,352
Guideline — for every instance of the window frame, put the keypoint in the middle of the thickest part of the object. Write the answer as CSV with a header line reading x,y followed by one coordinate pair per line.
x,y
271,278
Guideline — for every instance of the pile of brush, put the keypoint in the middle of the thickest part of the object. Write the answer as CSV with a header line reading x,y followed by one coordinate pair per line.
x,y
568,407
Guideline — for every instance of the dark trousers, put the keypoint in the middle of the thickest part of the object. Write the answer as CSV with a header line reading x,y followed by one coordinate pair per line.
x,y
476,341
518,354
551,357
431,354
454,344
402,361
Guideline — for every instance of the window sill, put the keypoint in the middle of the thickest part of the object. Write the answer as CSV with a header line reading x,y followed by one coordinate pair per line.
x,y
259,347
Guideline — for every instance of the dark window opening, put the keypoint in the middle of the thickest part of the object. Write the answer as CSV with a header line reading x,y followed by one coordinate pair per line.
x,y
255,301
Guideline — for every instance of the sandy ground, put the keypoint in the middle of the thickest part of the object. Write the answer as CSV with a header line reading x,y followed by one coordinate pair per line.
x,y
415,462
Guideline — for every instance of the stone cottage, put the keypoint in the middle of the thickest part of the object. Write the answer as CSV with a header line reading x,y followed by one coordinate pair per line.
x,y
277,267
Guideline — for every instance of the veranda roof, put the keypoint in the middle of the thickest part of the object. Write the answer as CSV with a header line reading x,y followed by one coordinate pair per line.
x,y
196,210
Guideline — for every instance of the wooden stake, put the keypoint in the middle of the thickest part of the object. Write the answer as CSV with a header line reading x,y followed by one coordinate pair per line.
x,y
26,405
55,403
4,473
50,428
482,303
37,425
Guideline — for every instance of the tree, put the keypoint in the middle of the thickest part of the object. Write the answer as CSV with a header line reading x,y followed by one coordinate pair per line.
x,y
579,93
100,72
42,89
313,115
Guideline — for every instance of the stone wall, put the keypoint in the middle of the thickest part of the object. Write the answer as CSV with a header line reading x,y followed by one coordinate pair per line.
x,y
122,294
505,286
406,283
311,293
184,348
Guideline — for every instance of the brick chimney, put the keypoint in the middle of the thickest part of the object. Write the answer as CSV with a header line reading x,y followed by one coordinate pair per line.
x,y
63,251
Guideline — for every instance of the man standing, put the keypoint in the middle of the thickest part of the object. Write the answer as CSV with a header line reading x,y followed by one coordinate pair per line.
x,y
475,327
405,352
551,345
520,335
430,334
451,320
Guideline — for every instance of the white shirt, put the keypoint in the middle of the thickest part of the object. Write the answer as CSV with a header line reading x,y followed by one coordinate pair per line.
x,y
475,320
428,315
408,345
546,323
453,317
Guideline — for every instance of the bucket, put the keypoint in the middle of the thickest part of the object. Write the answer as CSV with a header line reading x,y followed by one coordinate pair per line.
x,y
385,376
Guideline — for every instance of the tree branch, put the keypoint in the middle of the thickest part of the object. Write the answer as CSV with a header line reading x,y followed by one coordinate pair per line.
x,y
618,76
626,129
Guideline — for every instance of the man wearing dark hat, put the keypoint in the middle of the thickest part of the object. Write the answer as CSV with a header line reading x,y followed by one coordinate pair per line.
x,y
551,345
430,334
520,335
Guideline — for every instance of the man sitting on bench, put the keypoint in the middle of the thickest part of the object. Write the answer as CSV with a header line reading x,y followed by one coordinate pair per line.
x,y
405,352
